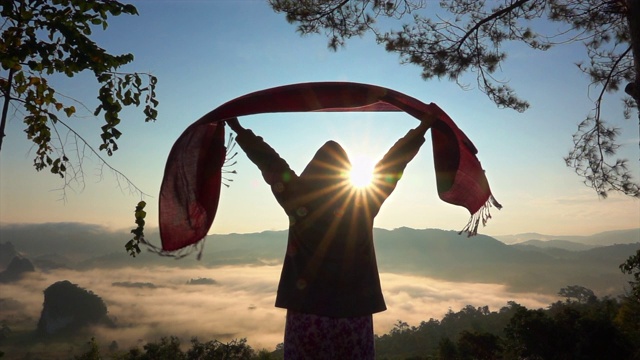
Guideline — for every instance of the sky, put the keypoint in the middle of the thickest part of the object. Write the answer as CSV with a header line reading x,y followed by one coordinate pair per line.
x,y
206,53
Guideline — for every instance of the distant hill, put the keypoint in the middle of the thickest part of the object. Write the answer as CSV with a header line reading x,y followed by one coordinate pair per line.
x,y
606,238
52,261
7,253
558,244
445,255
136,285
202,281
76,241
16,269
533,266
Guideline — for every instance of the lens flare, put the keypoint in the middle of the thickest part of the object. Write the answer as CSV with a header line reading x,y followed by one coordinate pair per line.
x,y
361,174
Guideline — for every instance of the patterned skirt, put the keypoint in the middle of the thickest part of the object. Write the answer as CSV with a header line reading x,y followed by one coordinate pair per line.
x,y
308,337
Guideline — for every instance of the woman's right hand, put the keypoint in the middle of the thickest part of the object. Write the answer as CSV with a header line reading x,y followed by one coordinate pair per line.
x,y
234,124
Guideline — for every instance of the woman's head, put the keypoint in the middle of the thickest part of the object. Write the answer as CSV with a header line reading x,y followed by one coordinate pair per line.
x,y
329,167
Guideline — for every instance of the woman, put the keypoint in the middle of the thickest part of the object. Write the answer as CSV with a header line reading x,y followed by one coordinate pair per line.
x,y
329,282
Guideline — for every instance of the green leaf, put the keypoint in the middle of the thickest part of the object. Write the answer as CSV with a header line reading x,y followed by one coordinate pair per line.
x,y
130,9
104,77
70,111
19,77
132,246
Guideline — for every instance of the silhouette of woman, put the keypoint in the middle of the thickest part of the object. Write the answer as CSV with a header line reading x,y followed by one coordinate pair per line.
x,y
329,283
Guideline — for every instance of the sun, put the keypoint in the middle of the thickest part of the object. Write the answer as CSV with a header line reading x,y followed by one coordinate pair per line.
x,y
361,174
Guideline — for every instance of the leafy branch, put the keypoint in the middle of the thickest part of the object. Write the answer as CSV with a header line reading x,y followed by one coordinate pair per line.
x,y
43,38
133,246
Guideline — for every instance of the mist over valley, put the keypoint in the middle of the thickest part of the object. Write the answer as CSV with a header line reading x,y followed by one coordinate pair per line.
x,y
230,293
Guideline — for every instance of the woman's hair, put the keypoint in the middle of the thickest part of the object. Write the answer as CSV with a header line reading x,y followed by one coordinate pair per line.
x,y
330,165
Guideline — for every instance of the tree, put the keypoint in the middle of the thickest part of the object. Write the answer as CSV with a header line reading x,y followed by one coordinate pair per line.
x,y
529,335
93,353
233,350
632,267
570,330
44,39
113,346
447,349
469,36
167,349
581,294
627,320
476,345
5,330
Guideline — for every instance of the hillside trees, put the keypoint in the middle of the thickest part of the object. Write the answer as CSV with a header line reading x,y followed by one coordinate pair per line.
x,y
569,331
465,36
474,345
602,328
581,294
42,40
632,267
169,348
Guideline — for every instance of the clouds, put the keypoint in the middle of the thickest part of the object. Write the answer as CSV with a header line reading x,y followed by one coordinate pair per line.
x,y
240,304
414,299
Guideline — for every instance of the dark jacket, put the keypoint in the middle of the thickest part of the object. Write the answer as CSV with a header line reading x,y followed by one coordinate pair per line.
x,y
330,265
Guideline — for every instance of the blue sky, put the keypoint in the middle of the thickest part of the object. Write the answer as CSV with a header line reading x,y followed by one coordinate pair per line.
x,y
205,53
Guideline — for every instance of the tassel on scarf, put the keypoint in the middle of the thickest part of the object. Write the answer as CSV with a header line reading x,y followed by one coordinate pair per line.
x,y
229,161
483,214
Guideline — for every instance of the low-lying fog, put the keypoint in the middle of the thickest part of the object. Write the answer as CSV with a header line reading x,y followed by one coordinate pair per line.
x,y
239,304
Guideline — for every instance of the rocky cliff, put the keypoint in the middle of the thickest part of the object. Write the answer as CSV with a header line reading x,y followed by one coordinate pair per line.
x,y
16,268
68,308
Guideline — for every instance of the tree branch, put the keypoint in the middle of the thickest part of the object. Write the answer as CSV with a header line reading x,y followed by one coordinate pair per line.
x,y
328,12
5,106
118,173
493,16
633,17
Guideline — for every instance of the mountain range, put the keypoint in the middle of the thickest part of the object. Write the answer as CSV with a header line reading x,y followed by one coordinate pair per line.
x,y
600,239
523,263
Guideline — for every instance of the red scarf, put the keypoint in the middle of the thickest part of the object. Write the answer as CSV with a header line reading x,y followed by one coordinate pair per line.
x,y
192,178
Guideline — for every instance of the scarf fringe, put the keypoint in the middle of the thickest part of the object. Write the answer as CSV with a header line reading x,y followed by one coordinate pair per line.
x,y
483,214
229,161
177,254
